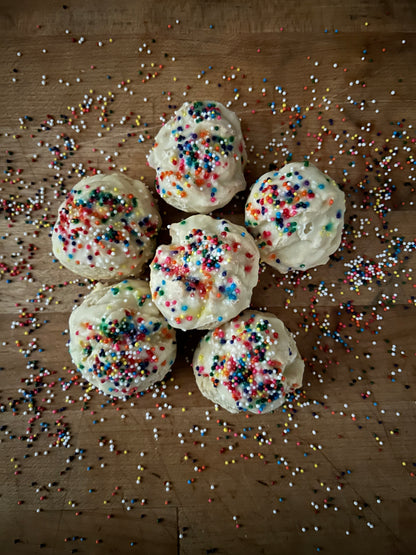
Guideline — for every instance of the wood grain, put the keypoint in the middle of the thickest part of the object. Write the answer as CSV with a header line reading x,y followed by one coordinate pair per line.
x,y
86,86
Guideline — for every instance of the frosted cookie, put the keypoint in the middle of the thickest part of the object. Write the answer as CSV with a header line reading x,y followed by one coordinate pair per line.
x,y
106,228
199,156
119,341
296,215
248,364
206,275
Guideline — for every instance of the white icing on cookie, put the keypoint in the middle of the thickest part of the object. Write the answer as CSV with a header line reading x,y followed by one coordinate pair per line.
x,y
248,364
296,215
206,275
106,228
199,156
119,341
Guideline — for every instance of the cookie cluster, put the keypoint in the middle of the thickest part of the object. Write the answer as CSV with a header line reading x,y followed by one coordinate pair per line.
x,y
123,335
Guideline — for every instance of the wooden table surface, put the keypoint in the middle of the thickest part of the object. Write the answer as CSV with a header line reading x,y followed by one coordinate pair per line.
x,y
85,86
